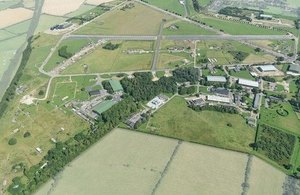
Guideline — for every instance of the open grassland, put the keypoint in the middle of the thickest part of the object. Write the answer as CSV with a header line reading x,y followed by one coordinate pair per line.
x,y
169,5
97,2
14,16
47,21
123,162
118,60
265,179
73,46
6,4
19,28
138,20
5,35
282,46
176,120
290,123
169,59
221,51
184,28
198,169
236,28
82,9
245,74
42,120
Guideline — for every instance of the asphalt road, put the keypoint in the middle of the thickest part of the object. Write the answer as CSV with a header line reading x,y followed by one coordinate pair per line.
x,y
184,37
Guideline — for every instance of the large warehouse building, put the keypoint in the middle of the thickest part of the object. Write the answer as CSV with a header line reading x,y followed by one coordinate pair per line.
x,y
220,79
248,83
267,68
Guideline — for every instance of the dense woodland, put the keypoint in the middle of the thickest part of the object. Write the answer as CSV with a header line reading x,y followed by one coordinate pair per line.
x,y
64,152
275,144
218,108
106,85
63,52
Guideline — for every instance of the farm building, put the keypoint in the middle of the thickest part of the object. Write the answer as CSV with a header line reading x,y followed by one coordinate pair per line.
x,y
97,92
248,83
220,91
257,100
133,120
196,101
294,68
265,16
116,85
103,106
157,102
220,79
267,68
216,98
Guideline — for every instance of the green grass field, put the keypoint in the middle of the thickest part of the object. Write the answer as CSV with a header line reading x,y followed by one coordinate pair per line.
x,y
170,5
128,22
47,21
64,92
43,120
184,28
219,50
102,60
74,46
19,28
236,28
178,121
245,74
290,123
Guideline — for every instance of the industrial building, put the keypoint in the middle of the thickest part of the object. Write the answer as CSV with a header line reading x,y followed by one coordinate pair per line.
x,y
116,85
248,83
294,69
220,99
219,79
257,100
103,106
267,68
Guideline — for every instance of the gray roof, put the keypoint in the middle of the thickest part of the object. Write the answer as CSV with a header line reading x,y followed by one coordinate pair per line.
x,y
256,101
294,68
216,79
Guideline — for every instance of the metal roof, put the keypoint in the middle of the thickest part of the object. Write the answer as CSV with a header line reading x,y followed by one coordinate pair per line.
x,y
218,98
267,68
103,106
216,79
248,83
294,68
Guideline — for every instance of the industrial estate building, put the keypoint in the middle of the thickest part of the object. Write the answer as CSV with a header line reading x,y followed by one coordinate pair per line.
x,y
220,79
248,83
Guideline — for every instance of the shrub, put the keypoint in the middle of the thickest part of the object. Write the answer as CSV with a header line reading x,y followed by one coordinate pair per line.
x,y
12,141
27,134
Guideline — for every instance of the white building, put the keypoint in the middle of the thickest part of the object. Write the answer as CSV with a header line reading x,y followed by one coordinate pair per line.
x,y
248,83
220,79
266,68
220,99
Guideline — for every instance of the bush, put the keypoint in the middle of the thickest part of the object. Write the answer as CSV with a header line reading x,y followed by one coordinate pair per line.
x,y
12,141
62,52
27,134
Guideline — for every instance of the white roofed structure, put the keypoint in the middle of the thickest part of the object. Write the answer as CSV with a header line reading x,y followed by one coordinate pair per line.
x,y
220,79
267,68
216,98
248,83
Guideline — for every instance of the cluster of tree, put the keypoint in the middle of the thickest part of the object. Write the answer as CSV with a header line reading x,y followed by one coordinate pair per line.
x,y
188,74
63,52
297,23
106,85
64,152
196,6
141,87
239,55
11,90
217,108
239,12
110,46
275,144
182,90
269,79
295,102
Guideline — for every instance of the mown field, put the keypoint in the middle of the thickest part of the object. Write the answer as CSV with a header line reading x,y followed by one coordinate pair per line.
x,y
245,74
290,123
236,28
184,28
169,5
128,22
73,46
221,51
118,60
178,121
